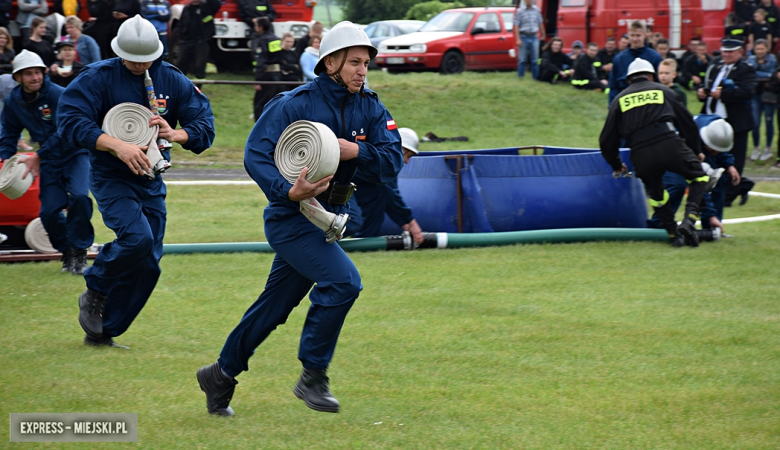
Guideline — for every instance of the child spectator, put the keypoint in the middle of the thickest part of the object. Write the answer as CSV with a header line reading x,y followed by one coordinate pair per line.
x,y
158,12
37,44
66,69
764,101
773,17
760,29
662,47
734,29
585,74
556,65
695,67
667,72
576,50
691,50
309,58
29,10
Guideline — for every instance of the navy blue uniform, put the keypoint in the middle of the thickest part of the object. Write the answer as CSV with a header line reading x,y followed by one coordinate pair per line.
x,y
126,270
371,202
64,177
302,256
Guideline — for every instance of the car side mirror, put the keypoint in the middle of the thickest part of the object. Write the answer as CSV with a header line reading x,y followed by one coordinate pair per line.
x,y
477,30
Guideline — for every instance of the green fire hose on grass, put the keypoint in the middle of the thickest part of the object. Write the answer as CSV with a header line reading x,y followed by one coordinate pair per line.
x,y
445,240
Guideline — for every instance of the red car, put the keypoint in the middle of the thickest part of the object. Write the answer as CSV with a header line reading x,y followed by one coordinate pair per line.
x,y
453,41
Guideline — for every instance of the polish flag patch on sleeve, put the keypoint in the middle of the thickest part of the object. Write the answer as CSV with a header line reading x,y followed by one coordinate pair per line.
x,y
391,125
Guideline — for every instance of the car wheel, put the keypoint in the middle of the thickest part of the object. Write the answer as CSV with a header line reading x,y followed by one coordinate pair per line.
x,y
452,63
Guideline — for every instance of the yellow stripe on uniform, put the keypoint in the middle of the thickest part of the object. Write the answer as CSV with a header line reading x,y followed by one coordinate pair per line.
x,y
657,204
631,101
262,8
703,179
275,46
207,19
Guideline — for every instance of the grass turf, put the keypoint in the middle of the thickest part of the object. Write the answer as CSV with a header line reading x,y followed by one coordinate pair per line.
x,y
593,345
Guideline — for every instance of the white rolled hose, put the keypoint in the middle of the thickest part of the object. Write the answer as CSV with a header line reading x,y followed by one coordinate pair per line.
x,y
37,238
11,182
312,145
129,122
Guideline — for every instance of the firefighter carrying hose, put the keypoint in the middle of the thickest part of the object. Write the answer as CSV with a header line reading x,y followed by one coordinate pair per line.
x,y
663,137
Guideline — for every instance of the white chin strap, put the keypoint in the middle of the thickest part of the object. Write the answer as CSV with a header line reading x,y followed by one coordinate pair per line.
x,y
129,122
312,145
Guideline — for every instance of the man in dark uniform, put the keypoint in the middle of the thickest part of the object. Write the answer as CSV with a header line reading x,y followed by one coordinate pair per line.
x,y
604,58
253,9
193,32
268,58
585,71
729,86
648,117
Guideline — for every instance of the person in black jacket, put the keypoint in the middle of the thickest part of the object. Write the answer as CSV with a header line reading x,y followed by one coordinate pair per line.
x,y
745,10
66,68
290,65
729,86
647,116
604,58
585,74
125,9
302,43
192,34
104,27
253,9
556,65
5,8
268,58
774,86
7,52
695,67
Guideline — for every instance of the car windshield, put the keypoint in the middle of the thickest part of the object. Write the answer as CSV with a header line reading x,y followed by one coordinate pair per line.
x,y
407,28
449,21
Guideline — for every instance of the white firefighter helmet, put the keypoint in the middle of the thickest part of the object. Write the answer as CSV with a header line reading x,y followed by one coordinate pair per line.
x,y
640,65
409,140
344,35
718,135
137,41
27,59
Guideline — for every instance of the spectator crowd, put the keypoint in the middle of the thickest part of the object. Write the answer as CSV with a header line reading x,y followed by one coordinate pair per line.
x,y
755,25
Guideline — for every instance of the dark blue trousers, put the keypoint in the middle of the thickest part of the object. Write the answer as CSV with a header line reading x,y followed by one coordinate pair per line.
x,y
127,269
65,185
302,260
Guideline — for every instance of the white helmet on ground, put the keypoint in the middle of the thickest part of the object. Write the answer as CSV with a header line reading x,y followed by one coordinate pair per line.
x,y
137,41
718,135
409,140
344,35
640,65
27,59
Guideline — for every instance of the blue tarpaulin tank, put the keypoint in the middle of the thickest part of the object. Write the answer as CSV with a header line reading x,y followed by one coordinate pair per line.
x,y
477,191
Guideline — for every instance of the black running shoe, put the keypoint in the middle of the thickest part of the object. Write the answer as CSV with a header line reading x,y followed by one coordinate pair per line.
x,y
688,230
79,261
67,260
102,342
314,389
219,389
91,305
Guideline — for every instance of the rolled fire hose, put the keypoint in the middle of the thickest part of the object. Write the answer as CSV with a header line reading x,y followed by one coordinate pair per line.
x,y
37,238
312,145
11,182
129,122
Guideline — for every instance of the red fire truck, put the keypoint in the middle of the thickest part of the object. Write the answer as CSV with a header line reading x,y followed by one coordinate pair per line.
x,y
596,20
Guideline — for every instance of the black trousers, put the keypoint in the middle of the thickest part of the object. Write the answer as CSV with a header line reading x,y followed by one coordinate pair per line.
x,y
740,154
191,57
267,92
671,155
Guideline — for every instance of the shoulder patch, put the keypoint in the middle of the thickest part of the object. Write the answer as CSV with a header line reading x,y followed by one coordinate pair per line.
x,y
631,101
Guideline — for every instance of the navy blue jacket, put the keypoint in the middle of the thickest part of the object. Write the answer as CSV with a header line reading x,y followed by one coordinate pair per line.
x,y
39,117
617,78
350,116
105,84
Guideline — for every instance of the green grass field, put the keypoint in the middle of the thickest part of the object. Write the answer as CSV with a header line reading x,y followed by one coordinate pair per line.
x,y
631,345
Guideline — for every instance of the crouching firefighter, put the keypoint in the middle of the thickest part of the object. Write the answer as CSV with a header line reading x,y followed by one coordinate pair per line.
x,y
369,141
661,134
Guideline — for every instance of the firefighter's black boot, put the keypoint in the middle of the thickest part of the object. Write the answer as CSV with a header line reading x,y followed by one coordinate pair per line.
x,y
91,305
219,389
314,389
666,217
688,226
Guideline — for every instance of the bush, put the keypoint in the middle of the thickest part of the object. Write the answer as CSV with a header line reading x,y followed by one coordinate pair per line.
x,y
426,10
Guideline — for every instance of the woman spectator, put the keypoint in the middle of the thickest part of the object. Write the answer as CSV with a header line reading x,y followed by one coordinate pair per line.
x,y
556,65
764,100
29,10
309,58
7,52
37,44
87,50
